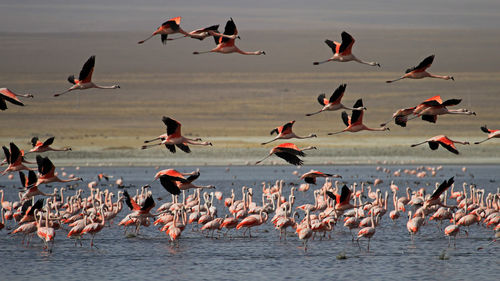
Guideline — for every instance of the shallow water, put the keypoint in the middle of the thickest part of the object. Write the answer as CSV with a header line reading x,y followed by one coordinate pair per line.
x,y
150,256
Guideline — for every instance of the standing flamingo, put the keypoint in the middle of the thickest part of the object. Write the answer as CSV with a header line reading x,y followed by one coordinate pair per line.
x,y
252,221
444,141
94,227
46,170
8,95
174,138
418,72
343,51
225,44
491,134
285,132
310,177
434,199
171,26
334,103
367,232
84,80
355,123
39,146
305,232
288,152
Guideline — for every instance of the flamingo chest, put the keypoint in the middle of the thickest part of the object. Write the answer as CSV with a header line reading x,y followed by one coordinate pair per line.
x,y
226,49
173,140
356,128
434,111
333,106
417,74
83,86
343,58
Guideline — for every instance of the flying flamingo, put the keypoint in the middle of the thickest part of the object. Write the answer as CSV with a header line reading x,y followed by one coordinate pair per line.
x,y
8,95
14,158
434,199
84,80
174,181
46,170
432,107
343,52
418,72
491,134
310,177
355,123
285,132
334,103
225,44
30,184
288,152
205,32
174,138
400,116
444,141
171,26
39,146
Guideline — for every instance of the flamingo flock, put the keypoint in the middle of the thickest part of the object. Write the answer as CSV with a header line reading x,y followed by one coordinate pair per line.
x,y
80,214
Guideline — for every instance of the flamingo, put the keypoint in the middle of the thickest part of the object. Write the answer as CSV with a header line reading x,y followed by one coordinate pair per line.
x,y
225,44
444,141
252,221
95,227
343,52
8,95
419,71
355,123
288,152
205,32
491,134
413,224
452,230
305,232
14,158
174,138
47,169
174,181
310,177
84,80
400,116
46,233
171,26
367,232
434,199
30,184
434,106
334,103
39,146
285,132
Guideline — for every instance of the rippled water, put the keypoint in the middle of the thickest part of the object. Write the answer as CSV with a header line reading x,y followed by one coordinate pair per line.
x,y
151,256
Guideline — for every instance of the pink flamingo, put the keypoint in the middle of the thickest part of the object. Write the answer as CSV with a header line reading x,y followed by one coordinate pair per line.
x,y
285,132
171,26
15,159
334,103
8,95
342,52
310,177
418,72
367,232
174,138
355,122
95,227
225,44
39,146
46,170
444,141
252,221
288,152
491,134
84,80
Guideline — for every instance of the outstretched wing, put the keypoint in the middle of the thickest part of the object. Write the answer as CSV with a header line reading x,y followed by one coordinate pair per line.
x,y
183,147
290,158
7,154
345,196
322,99
230,29
9,96
131,202
333,45
338,94
451,102
347,42
15,153
423,65
87,70
49,141
345,118
149,203
357,115
173,126
34,141
168,183
170,147
274,131
445,185
448,144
